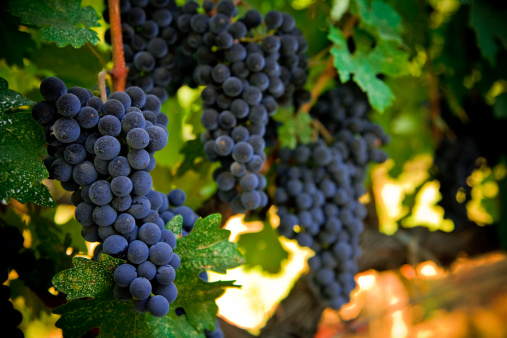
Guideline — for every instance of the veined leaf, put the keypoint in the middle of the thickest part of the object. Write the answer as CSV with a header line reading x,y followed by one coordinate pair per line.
x,y
385,58
61,21
89,289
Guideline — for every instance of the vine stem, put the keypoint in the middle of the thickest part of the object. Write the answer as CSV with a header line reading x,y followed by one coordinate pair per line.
x,y
327,74
120,70
102,85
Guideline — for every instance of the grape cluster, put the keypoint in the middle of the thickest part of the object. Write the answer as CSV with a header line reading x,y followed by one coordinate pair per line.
x,y
249,65
152,45
103,153
318,187
11,242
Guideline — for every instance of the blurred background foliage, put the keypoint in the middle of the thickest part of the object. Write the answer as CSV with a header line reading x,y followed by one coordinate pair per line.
x,y
433,70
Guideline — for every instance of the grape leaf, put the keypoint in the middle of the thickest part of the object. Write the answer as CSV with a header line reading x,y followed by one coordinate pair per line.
x,y
91,302
61,21
15,43
294,128
21,170
379,18
195,159
10,99
87,279
75,67
118,319
489,23
263,249
205,248
385,58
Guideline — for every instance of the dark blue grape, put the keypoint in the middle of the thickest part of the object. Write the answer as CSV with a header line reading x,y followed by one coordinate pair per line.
x,y
158,306
66,130
52,88
140,288
147,270
125,274
115,245
160,253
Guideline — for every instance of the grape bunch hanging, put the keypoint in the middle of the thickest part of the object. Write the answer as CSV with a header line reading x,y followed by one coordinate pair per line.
x,y
103,153
318,188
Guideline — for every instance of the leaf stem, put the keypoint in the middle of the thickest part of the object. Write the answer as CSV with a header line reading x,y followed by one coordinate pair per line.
x,y
120,70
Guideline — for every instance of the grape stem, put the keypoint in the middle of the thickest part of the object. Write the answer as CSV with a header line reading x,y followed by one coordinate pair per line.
x,y
120,70
327,74
242,3
326,135
258,37
102,85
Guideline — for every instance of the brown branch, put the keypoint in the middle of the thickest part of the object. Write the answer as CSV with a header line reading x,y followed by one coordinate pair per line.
x,y
120,70
348,26
327,75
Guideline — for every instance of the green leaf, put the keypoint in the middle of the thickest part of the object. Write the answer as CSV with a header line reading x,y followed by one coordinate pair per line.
x,y
10,99
15,44
175,225
205,248
385,58
294,128
61,21
88,278
21,170
489,24
379,19
72,66
91,279
195,159
263,249
119,319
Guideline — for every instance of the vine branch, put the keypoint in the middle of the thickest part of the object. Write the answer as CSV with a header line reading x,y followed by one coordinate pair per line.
x,y
120,70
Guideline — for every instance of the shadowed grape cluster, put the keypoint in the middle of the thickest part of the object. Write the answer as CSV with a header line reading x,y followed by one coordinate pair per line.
x,y
153,46
318,187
